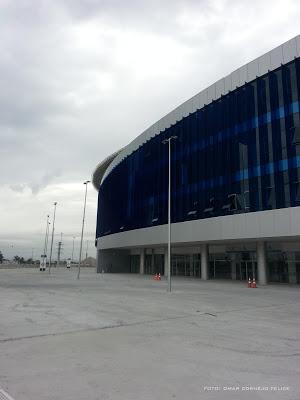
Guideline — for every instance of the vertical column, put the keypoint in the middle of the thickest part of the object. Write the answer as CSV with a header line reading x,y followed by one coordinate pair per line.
x,y
98,262
204,262
233,266
152,262
261,262
166,261
142,261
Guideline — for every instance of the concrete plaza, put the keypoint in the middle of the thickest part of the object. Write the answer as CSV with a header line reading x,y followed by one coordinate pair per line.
x,y
124,337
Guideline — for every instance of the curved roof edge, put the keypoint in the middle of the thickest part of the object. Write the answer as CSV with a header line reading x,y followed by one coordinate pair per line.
x,y
101,168
247,73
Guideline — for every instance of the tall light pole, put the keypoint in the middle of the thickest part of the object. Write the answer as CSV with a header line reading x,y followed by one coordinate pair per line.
x,y
83,218
73,248
53,223
46,233
46,242
169,140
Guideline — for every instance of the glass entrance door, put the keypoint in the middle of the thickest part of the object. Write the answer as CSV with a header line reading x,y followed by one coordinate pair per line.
x,y
195,269
278,271
154,264
135,264
220,268
246,269
278,267
181,265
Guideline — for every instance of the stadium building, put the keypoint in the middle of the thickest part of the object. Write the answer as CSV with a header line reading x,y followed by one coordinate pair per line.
x,y
235,173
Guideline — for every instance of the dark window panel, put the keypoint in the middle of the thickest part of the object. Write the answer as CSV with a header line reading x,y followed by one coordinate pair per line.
x,y
237,154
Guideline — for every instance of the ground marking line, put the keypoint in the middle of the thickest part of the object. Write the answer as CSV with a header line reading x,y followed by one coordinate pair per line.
x,y
197,313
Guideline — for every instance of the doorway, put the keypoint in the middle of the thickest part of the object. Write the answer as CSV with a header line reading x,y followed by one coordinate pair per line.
x,y
135,264
219,268
154,264
246,269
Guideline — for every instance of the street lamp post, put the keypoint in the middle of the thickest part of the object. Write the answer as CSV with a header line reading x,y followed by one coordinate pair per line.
x,y
73,249
169,209
52,236
46,233
83,218
46,242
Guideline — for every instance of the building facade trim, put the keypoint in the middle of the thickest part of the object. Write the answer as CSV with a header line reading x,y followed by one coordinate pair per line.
x,y
267,225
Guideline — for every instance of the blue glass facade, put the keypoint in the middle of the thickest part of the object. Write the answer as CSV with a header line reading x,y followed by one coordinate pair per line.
x,y
241,153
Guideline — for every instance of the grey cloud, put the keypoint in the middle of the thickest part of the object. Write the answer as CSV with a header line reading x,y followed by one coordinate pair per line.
x,y
45,181
152,16
19,188
56,111
145,9
35,187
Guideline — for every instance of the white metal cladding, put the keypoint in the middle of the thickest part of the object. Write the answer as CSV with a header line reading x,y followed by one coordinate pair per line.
x,y
276,224
258,67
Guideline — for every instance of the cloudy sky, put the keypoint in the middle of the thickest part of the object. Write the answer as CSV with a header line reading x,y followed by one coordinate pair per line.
x,y
81,78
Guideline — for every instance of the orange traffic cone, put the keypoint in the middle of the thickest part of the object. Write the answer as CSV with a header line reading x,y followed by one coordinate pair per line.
x,y
253,285
249,283
159,277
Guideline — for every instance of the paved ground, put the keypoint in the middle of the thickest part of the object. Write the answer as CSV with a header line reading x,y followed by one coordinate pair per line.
x,y
124,337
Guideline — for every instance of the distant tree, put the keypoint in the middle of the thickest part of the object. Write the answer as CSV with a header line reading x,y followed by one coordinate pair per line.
x,y
29,261
1,257
19,260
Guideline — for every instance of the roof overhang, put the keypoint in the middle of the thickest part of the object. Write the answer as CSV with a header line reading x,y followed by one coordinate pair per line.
x,y
101,168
